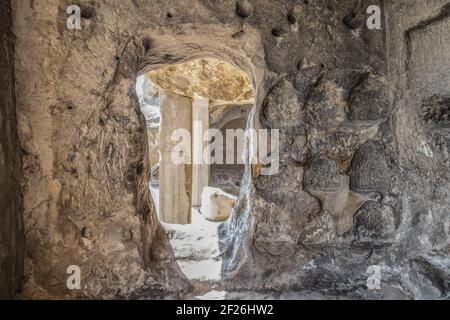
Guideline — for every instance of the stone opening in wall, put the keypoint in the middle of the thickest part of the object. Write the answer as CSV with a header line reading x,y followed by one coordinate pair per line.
x,y
208,102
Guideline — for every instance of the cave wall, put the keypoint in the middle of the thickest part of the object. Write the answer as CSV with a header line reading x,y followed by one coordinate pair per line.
x,y
85,163
418,49
323,219
356,188
320,77
12,245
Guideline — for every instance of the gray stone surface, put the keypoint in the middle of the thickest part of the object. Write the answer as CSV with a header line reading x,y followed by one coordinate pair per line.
x,y
347,100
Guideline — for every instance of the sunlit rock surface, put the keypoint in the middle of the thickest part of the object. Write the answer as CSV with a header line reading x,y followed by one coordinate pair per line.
x,y
209,78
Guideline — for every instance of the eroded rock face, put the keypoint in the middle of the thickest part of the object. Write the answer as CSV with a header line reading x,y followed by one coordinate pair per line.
x,y
320,77
208,78
422,148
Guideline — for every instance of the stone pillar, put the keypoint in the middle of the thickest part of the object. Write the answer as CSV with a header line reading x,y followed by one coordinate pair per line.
x,y
175,179
200,170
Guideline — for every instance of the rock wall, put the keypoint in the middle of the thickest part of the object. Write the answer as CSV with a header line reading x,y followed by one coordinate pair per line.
x,y
325,90
86,167
354,190
12,245
364,163
419,89
209,78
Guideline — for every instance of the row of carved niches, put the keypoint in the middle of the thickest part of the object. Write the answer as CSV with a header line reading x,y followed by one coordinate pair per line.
x,y
370,171
346,115
371,175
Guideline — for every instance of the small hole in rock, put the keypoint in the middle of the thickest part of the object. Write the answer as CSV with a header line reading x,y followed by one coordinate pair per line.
x,y
277,32
88,13
351,20
70,105
291,18
86,233
147,44
168,57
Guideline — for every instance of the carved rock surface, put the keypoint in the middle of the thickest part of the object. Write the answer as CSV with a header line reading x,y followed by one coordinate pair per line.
x,y
345,99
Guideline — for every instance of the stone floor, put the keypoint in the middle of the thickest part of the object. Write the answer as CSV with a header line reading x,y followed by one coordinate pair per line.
x,y
196,248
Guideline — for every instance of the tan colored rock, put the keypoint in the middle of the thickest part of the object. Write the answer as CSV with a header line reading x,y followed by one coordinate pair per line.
x,y
216,204
209,78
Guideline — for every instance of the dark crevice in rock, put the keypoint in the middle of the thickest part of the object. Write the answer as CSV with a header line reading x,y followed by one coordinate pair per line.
x,y
12,237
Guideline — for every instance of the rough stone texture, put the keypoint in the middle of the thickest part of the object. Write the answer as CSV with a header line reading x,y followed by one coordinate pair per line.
x,y
208,78
341,204
419,64
335,120
12,246
341,95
